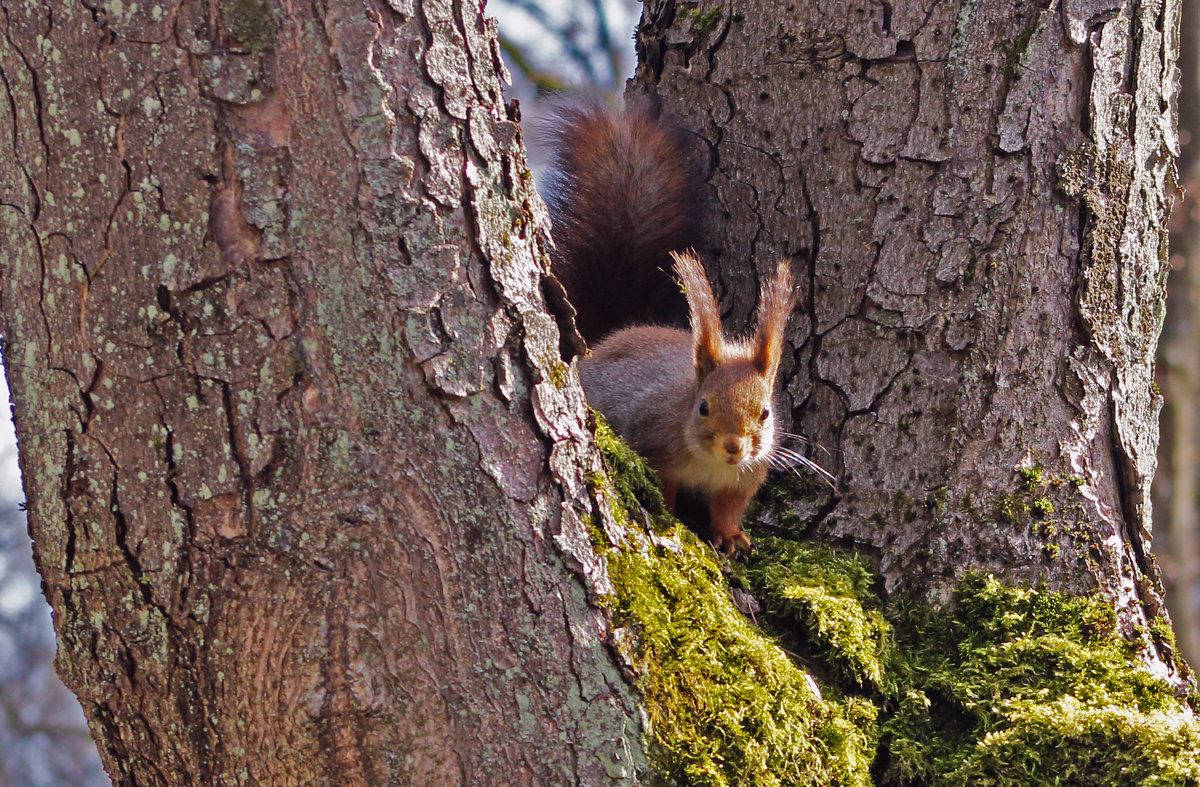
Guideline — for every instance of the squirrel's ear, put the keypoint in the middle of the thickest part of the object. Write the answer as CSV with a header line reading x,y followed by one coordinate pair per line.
x,y
702,308
775,305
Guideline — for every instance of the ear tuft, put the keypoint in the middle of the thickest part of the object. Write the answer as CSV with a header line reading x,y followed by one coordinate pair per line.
x,y
703,312
775,306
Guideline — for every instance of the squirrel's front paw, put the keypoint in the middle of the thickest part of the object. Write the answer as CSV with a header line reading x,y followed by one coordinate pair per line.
x,y
731,541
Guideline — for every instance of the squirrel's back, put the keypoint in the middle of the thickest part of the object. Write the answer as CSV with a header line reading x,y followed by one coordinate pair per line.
x,y
643,380
622,195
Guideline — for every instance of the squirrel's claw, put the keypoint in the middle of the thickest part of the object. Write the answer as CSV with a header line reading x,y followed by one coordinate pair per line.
x,y
732,542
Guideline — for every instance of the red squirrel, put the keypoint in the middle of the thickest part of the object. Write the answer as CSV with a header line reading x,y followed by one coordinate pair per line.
x,y
696,405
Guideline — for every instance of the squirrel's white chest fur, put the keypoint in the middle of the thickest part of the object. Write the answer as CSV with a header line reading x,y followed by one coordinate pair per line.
x,y
709,474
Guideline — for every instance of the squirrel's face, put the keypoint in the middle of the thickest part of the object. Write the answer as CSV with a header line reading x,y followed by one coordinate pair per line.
x,y
732,420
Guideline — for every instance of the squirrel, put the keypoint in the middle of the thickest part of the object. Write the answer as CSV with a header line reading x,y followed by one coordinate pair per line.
x,y
698,406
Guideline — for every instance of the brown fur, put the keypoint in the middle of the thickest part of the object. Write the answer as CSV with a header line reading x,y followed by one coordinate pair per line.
x,y
697,405
650,383
622,196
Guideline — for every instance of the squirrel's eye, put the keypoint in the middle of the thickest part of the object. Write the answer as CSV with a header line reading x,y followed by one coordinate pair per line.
x,y
766,413
704,407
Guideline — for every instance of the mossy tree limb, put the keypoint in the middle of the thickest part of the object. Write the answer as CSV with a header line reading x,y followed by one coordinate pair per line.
x,y
1001,686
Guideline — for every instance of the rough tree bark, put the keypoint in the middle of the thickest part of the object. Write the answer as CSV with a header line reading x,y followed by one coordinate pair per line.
x,y
296,440
977,192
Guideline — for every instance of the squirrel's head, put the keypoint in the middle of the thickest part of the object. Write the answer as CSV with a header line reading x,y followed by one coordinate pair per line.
x,y
732,417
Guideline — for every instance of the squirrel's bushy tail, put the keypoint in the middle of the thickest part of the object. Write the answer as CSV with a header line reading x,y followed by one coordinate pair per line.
x,y
622,195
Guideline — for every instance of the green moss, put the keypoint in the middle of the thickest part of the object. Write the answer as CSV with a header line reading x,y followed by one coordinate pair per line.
x,y
774,502
1011,508
826,601
637,486
726,705
1032,477
1015,53
1021,687
559,374
1161,629
937,499
703,21
1005,686
1047,528
1033,495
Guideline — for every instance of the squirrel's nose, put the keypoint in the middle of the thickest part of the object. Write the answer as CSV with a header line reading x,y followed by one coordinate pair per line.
x,y
733,447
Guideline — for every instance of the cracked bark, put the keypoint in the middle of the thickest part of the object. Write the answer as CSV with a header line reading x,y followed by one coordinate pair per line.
x,y
305,499
978,192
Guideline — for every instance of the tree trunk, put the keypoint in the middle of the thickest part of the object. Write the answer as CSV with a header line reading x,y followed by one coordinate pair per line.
x,y
977,194
298,450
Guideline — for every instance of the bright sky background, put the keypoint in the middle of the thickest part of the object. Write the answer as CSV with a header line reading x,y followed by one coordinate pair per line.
x,y
18,587
10,475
